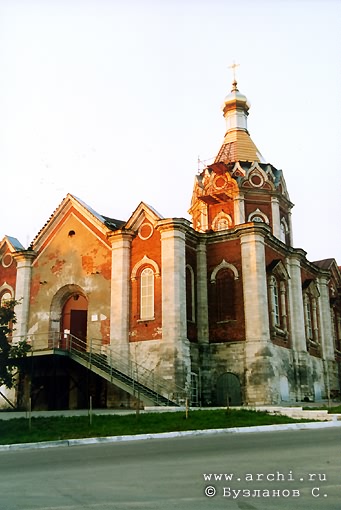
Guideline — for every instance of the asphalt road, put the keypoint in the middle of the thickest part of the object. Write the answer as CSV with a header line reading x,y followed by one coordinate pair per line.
x,y
168,474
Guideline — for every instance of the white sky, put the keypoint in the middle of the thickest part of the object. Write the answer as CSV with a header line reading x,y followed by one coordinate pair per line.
x,y
114,100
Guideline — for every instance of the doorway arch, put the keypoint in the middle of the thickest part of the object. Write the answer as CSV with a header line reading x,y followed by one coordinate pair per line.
x,y
75,319
69,313
229,390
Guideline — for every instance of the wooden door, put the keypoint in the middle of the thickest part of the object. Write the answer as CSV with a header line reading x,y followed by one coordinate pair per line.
x,y
78,328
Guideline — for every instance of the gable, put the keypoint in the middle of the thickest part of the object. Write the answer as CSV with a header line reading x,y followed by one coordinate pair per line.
x,y
72,234
11,244
71,206
142,213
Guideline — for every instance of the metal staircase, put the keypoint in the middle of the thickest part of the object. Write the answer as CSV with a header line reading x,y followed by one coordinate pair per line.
x,y
133,378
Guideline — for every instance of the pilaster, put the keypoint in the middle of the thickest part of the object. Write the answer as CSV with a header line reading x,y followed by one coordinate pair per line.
x,y
202,323
174,324
291,235
327,337
297,326
202,299
239,209
296,306
24,261
120,291
259,366
255,287
276,220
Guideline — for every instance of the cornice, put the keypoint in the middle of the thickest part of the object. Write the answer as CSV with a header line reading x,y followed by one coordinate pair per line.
x,y
116,235
168,224
29,255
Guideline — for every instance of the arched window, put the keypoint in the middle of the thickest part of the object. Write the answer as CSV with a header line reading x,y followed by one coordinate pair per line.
x,y
311,299
277,292
147,294
276,305
283,231
6,296
225,295
309,321
190,295
222,224
222,221
336,321
258,216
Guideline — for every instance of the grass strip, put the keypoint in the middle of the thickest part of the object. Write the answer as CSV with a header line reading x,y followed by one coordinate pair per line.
x,y
17,430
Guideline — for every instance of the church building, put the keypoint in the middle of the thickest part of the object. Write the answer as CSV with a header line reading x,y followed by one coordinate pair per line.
x,y
220,310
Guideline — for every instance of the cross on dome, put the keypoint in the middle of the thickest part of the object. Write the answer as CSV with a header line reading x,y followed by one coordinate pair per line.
x,y
234,67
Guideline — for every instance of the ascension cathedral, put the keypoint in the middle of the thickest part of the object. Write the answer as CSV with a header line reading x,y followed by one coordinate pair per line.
x,y
218,310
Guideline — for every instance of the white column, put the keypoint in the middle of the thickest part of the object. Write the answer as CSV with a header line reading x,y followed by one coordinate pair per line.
x,y
297,323
202,300
24,261
327,336
291,235
174,324
120,291
255,287
276,220
175,345
239,209
296,305
260,387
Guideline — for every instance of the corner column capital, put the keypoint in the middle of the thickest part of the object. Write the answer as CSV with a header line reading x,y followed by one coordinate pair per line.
x,y
120,237
24,258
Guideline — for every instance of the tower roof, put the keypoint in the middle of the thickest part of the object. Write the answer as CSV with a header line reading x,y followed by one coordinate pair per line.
x,y
237,144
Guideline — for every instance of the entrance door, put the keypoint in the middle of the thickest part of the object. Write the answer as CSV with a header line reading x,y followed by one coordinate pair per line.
x,y
228,390
78,327
74,321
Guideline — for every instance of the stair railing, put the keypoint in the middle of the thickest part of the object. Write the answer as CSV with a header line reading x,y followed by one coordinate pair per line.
x,y
109,360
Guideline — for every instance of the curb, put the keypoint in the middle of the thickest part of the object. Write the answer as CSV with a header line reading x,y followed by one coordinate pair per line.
x,y
168,435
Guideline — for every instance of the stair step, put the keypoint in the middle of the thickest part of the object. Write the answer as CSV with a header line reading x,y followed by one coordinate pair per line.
x,y
100,361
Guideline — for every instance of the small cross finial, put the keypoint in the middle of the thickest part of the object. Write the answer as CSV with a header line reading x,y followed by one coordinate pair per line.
x,y
234,67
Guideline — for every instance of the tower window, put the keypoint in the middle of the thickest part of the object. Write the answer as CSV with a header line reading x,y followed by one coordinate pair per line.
x,y
283,230
258,216
222,224
222,221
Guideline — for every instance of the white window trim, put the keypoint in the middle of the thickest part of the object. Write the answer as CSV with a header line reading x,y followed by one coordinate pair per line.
x,y
259,213
221,216
144,262
223,264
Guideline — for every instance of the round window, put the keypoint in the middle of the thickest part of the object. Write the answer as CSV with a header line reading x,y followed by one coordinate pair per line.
x,y
145,231
219,182
7,260
256,180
